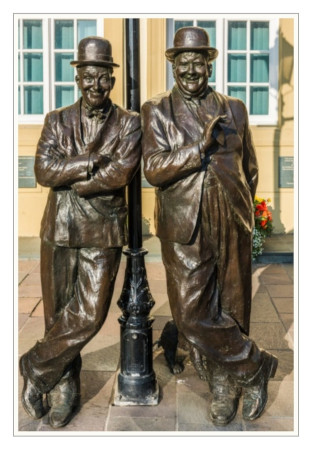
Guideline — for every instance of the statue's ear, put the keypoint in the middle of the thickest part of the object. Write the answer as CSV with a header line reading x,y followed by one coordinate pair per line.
x,y
77,79
113,80
210,69
174,70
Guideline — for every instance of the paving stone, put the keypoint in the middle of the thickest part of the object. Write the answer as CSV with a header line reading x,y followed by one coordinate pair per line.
x,y
27,305
129,424
269,424
28,265
275,278
96,387
163,310
22,318
287,320
157,287
101,355
89,419
273,268
289,268
32,279
285,369
155,271
192,407
235,426
189,381
284,305
38,310
21,276
29,291
269,335
32,331
281,291
262,309
281,399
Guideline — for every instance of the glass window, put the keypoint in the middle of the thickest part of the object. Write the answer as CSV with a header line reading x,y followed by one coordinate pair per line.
x,y
64,34
86,28
30,67
45,48
67,34
32,34
253,37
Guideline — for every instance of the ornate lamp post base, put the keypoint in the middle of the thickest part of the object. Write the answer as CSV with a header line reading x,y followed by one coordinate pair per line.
x,y
135,394
136,380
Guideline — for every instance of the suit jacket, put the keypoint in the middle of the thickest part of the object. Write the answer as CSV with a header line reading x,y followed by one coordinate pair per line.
x,y
173,164
84,210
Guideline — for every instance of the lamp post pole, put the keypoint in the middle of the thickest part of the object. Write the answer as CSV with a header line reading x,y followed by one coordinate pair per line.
x,y
136,383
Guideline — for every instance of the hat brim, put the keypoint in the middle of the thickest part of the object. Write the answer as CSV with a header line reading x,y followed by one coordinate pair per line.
x,y
97,63
171,53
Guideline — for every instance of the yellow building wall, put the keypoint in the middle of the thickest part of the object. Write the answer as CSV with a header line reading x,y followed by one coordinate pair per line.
x,y
271,142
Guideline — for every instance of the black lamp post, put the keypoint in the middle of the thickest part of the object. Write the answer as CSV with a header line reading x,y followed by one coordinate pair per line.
x,y
136,383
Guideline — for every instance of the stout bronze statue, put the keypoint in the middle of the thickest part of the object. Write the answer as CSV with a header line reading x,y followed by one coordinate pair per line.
x,y
198,152
87,154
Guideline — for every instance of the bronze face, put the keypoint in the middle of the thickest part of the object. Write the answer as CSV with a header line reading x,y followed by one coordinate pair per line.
x,y
191,72
95,84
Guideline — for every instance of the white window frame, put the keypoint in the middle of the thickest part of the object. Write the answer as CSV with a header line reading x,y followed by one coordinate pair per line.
x,y
48,59
32,118
221,61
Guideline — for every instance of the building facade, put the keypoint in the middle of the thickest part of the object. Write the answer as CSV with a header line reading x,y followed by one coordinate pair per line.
x,y
256,63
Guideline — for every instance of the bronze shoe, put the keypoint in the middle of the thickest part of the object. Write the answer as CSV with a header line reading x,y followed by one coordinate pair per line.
x,y
256,396
63,400
32,398
225,398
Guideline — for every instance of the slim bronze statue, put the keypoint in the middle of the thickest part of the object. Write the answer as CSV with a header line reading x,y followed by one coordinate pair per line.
x,y
87,154
198,152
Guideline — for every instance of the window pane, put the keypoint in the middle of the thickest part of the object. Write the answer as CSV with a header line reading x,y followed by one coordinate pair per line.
x,y
237,36
237,92
19,67
182,23
64,34
33,100
86,28
210,27
19,100
33,67
260,35
63,70
259,100
212,79
236,68
64,96
259,68
32,34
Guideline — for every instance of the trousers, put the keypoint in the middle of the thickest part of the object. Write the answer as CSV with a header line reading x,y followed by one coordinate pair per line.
x,y
77,288
209,286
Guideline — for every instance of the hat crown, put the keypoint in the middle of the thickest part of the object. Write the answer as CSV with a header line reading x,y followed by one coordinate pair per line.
x,y
94,49
191,37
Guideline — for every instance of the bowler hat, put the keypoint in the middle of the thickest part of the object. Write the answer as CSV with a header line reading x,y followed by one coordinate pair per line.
x,y
94,51
191,39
